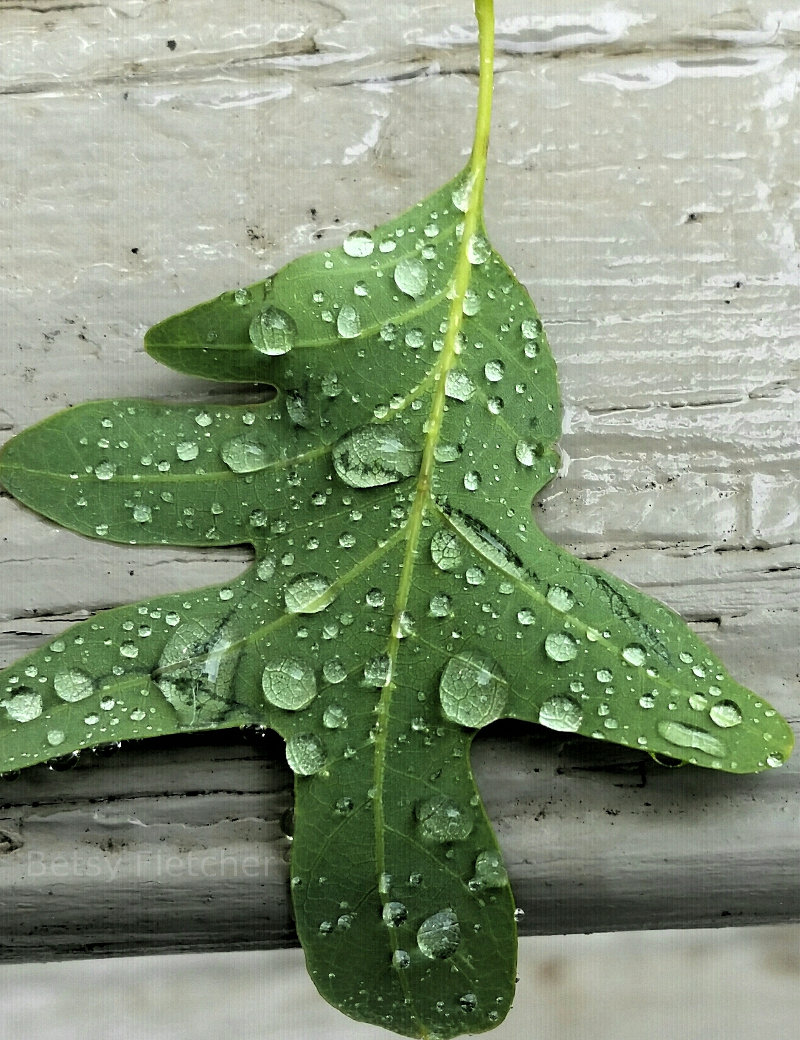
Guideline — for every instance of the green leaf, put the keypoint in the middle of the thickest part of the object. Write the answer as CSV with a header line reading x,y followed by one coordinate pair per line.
x,y
401,596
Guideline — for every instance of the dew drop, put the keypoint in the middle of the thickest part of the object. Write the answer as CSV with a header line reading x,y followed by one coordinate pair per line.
x,y
104,470
458,385
265,568
378,671
560,646
244,456
187,450
634,654
561,713
441,819
308,594
494,371
489,870
560,598
334,671
526,453
472,480
197,666
445,551
305,754
55,737
394,913
24,706
73,685
439,935
273,332
411,276
684,736
288,684
472,690
531,328
372,456
203,419
129,649
348,322
400,959
358,244
142,514
725,714
334,717
478,250
526,617
439,606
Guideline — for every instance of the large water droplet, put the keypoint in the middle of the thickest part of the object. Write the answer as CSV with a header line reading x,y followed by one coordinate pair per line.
x,y
411,276
196,669
104,470
334,671
265,568
441,819
560,646
439,935
289,684
634,654
305,754
334,717
526,453
244,456
73,685
472,690
273,332
394,913
458,385
308,594
561,713
374,455
489,870
691,737
445,550
187,450
24,706
478,250
725,714
378,671
348,322
358,244
560,598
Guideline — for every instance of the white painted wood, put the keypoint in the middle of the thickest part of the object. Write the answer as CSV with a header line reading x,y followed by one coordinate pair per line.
x,y
643,185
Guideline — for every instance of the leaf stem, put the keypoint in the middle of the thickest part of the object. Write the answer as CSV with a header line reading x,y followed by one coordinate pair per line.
x,y
484,12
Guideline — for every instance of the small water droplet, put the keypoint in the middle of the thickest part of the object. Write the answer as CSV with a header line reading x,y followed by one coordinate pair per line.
x,y
526,453
128,649
73,685
55,737
142,514
400,959
560,646
439,935
494,370
187,450
305,754
378,671
526,617
472,480
394,913
104,470
490,871
411,276
203,419
288,684
358,244
472,690
334,671
334,717
439,606
561,713
265,568
273,332
308,594
468,1002
725,714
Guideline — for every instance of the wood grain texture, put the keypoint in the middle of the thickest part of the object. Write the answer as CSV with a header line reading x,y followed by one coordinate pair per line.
x,y
643,185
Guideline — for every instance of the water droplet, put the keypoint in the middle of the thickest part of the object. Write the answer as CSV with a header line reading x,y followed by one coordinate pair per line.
x,y
478,250
472,480
197,666
400,959
244,456
265,568
203,419
308,594
378,671
241,297
774,760
441,819
273,332
348,322
472,690
560,646
561,713
634,654
531,328
415,338
526,617
604,675
289,684
458,385
475,576
358,244
372,456
471,304
305,754
487,544
334,717
445,551
104,470
394,913
439,935
526,453
334,671
187,450
142,514
468,1002
560,598
439,606
24,706
494,371
446,452
691,737
73,685
725,714
55,737
411,276
490,871
129,649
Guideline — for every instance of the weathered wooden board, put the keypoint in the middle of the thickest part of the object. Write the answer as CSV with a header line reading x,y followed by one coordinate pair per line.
x,y
643,185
